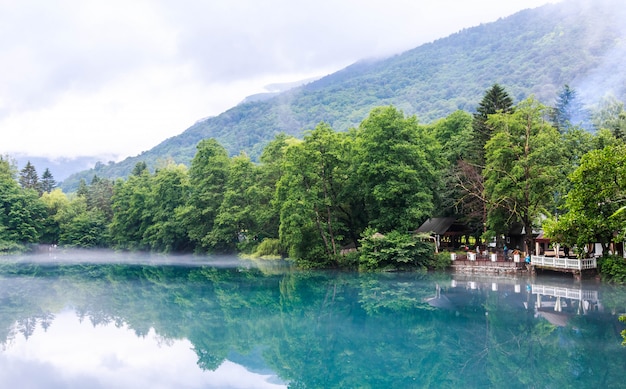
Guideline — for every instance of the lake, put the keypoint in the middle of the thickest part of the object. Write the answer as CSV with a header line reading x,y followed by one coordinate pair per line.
x,y
102,320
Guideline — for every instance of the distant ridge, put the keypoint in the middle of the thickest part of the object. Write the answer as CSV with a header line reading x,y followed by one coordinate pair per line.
x,y
533,52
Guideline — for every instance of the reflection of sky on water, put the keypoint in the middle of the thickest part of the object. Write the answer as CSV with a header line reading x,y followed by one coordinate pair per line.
x,y
75,354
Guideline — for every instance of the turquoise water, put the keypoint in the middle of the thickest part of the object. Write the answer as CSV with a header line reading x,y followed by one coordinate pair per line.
x,y
176,322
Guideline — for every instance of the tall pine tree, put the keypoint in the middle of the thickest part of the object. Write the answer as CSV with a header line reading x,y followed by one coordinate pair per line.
x,y
495,100
568,111
29,178
47,181
469,170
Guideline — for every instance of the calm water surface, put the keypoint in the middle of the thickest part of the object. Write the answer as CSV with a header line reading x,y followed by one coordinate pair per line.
x,y
86,321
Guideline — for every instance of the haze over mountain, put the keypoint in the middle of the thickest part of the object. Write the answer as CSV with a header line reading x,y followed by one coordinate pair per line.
x,y
534,52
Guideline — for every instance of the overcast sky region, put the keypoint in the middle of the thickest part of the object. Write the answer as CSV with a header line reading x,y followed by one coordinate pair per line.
x,y
115,78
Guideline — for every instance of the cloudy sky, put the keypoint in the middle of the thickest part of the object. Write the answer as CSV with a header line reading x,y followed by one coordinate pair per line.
x,y
114,78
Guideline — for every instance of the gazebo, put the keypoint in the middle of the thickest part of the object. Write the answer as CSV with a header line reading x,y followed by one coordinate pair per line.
x,y
446,231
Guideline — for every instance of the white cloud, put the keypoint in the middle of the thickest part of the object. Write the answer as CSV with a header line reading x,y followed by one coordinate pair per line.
x,y
117,77
75,354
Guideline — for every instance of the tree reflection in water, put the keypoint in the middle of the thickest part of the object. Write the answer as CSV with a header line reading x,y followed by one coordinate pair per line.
x,y
325,329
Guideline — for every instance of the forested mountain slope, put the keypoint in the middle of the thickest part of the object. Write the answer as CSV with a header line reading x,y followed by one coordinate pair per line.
x,y
534,52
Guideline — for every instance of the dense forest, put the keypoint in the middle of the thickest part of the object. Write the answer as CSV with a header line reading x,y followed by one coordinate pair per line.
x,y
352,198
532,53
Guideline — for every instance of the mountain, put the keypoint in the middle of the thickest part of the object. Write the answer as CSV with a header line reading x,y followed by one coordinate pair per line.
x,y
581,43
61,168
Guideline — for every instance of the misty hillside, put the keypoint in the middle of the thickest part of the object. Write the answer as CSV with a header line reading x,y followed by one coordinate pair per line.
x,y
576,42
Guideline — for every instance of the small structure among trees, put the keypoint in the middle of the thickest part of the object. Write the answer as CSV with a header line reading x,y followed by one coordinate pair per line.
x,y
448,232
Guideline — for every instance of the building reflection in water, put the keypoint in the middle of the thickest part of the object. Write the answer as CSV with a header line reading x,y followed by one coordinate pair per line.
x,y
554,302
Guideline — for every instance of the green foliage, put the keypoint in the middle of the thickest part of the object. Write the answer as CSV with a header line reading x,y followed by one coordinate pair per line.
x,y
312,193
80,226
523,171
169,194
9,246
55,201
29,179
612,268
441,261
397,164
568,111
597,193
268,248
610,115
394,250
47,181
21,213
208,178
132,213
235,220
455,133
495,100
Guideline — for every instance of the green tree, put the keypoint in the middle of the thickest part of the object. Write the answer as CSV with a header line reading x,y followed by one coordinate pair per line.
x,y
139,168
459,196
235,220
55,201
495,100
311,193
468,174
169,194
568,111
598,191
29,178
21,211
47,181
208,176
610,115
80,226
83,189
267,214
132,211
397,164
455,134
523,168
99,194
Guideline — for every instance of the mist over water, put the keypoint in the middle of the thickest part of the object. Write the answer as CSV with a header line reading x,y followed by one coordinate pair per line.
x,y
52,255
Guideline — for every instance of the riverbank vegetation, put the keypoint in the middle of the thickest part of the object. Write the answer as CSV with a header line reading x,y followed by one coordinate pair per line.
x,y
353,198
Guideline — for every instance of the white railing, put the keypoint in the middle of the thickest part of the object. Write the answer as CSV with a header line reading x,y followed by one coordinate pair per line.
x,y
577,294
563,263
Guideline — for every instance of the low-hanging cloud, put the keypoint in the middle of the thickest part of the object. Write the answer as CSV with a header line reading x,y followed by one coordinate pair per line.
x,y
90,77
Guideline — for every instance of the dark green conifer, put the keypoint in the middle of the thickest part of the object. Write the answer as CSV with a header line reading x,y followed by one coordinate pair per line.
x,y
28,177
496,100
47,181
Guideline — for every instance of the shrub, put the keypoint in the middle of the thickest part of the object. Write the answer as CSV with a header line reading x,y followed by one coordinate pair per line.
x,y
441,261
349,260
395,250
268,248
612,268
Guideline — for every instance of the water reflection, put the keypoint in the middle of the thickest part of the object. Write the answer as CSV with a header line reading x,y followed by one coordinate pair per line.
x,y
73,353
117,325
555,301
